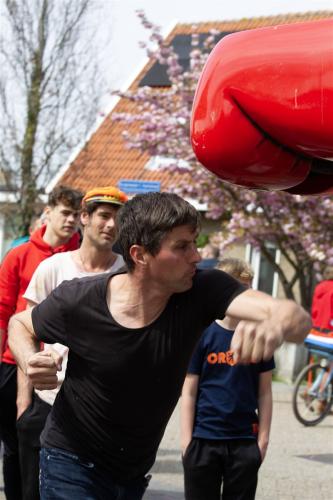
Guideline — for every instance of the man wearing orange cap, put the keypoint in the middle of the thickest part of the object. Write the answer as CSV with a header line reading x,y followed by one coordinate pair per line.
x,y
99,208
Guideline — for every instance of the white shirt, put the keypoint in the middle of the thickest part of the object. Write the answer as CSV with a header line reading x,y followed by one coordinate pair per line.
x,y
48,275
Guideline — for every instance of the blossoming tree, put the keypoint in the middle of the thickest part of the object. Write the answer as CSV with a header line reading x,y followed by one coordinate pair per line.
x,y
300,227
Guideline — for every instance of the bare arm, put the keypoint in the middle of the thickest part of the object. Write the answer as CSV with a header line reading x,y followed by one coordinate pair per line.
x,y
40,367
267,322
187,411
24,392
24,386
22,339
265,406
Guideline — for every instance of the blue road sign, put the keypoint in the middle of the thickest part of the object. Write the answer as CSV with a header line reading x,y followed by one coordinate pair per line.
x,y
132,186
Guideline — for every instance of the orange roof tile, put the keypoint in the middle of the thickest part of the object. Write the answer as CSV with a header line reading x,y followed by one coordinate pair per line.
x,y
105,159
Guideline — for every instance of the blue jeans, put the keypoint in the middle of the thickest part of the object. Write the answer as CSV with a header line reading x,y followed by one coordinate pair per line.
x,y
65,476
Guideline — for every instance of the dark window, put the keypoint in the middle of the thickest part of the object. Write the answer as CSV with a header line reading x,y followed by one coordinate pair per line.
x,y
157,75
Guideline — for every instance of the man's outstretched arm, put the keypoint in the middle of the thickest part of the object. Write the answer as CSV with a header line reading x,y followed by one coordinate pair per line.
x,y
265,324
40,367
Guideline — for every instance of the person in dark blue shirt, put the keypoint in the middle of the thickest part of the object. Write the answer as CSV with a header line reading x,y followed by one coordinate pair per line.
x,y
226,412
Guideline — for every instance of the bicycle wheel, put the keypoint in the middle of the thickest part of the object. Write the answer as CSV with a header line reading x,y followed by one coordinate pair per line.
x,y
310,405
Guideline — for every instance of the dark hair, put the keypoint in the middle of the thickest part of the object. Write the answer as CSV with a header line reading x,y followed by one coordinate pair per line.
x,y
147,218
62,194
90,208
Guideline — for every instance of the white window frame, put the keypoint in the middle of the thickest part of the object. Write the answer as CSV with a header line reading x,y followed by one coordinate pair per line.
x,y
253,256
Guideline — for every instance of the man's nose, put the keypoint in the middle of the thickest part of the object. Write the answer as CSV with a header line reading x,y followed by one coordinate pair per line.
x,y
110,223
196,257
72,218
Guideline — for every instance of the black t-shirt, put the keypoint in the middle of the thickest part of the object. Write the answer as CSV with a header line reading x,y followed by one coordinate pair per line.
x,y
122,384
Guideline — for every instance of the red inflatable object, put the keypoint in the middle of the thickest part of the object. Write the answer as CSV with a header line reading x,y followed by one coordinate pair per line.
x,y
263,110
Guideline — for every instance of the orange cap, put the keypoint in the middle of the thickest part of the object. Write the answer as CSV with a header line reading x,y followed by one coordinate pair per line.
x,y
108,194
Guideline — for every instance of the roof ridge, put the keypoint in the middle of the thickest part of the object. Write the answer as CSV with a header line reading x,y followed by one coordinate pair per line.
x,y
289,15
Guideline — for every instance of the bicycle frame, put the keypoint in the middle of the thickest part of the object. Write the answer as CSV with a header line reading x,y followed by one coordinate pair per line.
x,y
327,359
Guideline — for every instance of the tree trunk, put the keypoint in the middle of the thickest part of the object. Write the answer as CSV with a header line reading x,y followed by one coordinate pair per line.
x,y
29,188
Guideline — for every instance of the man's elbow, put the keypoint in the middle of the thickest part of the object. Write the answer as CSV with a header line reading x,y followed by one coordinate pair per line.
x,y
12,325
15,327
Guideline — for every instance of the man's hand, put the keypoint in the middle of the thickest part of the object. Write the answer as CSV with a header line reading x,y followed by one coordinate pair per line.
x,y
42,369
254,341
264,324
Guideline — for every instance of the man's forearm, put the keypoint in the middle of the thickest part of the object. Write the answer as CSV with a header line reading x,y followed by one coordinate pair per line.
x,y
265,324
40,367
24,392
293,322
22,340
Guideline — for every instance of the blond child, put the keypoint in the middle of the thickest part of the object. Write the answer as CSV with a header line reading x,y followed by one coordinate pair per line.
x,y
226,412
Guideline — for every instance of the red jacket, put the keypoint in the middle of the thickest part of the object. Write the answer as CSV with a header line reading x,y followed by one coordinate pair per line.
x,y
322,305
16,271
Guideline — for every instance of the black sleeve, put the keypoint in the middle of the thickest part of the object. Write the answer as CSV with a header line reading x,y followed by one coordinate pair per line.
x,y
49,318
214,292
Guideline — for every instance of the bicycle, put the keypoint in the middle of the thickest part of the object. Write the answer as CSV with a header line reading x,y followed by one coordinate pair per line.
x,y
313,392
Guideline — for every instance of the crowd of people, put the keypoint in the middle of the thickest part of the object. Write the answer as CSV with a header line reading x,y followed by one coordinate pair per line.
x,y
98,329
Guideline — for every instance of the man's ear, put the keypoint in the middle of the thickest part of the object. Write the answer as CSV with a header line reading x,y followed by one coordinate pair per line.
x,y
46,212
138,255
84,218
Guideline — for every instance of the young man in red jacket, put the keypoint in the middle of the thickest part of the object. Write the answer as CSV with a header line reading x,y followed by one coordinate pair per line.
x,y
58,235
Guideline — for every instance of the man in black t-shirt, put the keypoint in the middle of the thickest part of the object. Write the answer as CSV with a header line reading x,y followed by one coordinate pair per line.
x,y
130,336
